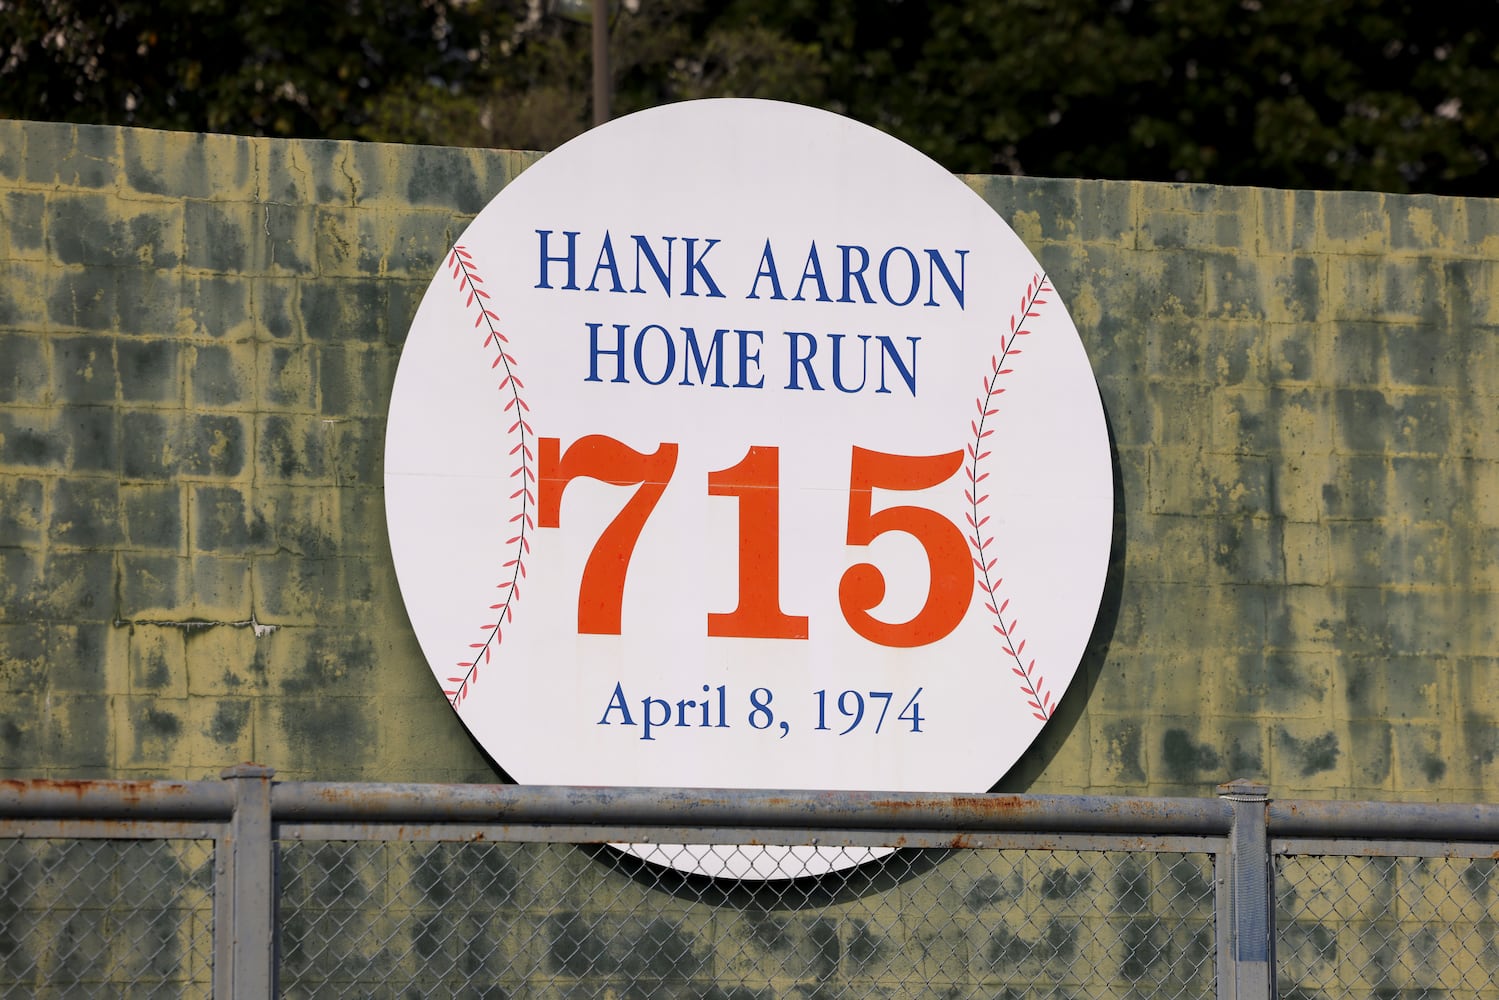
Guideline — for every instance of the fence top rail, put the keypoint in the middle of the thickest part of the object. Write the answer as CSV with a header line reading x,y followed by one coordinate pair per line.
x,y
68,798
543,805
311,802
1423,821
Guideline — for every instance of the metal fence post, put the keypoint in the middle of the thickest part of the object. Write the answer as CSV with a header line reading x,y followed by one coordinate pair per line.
x,y
244,904
1249,974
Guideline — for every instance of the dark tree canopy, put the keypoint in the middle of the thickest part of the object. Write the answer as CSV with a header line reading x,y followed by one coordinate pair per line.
x,y
268,67
1373,94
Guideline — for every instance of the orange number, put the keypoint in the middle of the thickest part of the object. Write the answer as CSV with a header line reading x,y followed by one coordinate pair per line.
x,y
756,482
863,586
597,456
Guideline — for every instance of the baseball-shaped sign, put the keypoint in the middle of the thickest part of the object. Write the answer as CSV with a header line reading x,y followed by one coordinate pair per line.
x,y
737,444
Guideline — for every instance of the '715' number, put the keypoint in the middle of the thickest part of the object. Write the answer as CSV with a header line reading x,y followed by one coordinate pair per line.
x,y
755,482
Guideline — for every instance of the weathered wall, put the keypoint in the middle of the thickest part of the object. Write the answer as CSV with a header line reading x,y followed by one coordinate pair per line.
x,y
198,335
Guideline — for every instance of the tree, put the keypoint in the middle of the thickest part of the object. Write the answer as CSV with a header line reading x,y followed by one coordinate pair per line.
x,y
1331,94
1374,94
273,67
1334,94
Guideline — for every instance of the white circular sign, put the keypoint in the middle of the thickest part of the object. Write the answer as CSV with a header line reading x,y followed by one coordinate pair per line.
x,y
737,444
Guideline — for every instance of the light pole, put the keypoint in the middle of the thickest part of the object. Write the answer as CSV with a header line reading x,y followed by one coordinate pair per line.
x,y
602,84
596,14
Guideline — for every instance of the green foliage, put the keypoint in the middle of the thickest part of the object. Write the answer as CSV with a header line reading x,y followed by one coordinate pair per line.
x,y
1378,94
1333,94
272,67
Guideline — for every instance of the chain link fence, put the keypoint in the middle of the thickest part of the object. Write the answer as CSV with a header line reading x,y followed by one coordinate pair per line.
x,y
106,918
442,920
1386,926
243,888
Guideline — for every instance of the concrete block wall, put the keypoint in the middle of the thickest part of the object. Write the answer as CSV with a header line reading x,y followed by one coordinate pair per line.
x,y
198,335
1301,386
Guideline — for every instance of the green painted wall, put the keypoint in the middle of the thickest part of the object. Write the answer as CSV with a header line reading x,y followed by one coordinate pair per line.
x,y
198,335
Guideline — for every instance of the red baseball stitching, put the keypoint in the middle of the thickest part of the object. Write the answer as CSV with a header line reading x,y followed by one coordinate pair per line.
x,y
1032,683
467,275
